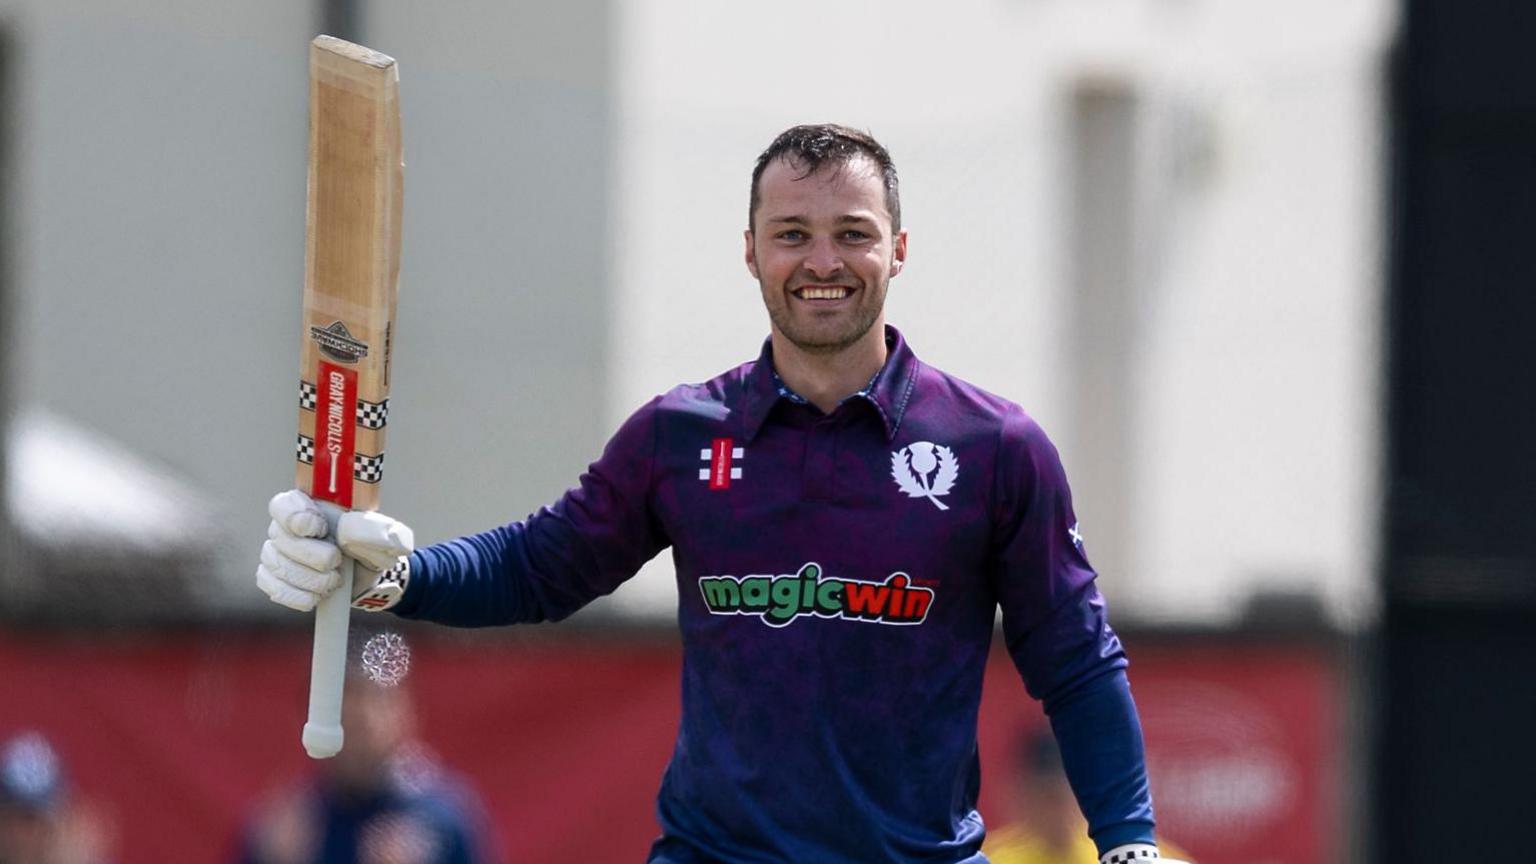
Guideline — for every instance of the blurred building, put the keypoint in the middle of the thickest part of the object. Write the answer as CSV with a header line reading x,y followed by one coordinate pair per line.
x,y
1155,224
157,215
97,535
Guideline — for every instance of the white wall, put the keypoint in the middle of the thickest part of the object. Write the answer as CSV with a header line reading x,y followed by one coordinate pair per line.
x,y
1254,456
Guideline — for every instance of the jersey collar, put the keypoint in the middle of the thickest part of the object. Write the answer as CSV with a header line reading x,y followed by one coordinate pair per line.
x,y
889,391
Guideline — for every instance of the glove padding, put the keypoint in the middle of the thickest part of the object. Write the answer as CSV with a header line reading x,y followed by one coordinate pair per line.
x,y
380,545
1134,853
373,539
299,565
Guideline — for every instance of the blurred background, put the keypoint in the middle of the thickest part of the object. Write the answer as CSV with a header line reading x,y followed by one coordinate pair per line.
x,y
1258,268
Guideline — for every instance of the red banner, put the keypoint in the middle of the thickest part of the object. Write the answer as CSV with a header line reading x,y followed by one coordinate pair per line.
x,y
1243,745
178,736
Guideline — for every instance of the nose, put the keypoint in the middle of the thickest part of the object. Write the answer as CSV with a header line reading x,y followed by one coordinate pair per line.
x,y
822,261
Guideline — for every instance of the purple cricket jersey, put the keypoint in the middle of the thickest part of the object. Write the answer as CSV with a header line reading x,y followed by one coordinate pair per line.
x,y
838,576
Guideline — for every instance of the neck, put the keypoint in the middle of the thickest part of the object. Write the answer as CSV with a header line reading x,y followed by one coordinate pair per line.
x,y
827,379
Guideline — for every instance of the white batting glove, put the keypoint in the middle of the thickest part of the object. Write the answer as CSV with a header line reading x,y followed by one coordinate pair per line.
x,y
1134,853
381,547
300,564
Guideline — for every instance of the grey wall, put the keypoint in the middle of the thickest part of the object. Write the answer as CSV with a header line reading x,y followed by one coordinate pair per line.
x,y
7,259
160,236
502,325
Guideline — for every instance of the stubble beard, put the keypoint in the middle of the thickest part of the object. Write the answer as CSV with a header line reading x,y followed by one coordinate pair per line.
x,y
865,314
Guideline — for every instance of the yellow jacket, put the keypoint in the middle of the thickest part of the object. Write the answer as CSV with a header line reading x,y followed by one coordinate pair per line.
x,y
1014,844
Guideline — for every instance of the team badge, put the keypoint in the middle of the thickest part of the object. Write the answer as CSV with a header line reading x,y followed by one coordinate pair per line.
x,y
925,470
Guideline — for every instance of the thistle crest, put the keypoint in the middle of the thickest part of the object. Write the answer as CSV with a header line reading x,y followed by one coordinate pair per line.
x,y
925,470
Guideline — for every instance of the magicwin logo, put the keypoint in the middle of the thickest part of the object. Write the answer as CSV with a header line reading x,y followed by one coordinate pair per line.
x,y
780,599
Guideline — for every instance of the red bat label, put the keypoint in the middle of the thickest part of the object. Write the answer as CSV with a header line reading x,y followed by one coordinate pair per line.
x,y
335,434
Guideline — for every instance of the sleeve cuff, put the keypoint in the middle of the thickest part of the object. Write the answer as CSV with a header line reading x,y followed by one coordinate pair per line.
x,y
415,587
1113,838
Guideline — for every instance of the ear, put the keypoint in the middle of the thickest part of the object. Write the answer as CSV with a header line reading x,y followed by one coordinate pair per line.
x,y
751,255
899,252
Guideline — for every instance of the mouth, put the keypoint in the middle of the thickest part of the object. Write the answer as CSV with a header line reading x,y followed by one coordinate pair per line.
x,y
822,292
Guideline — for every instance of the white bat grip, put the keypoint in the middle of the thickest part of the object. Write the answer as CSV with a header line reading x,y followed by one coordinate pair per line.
x,y
328,664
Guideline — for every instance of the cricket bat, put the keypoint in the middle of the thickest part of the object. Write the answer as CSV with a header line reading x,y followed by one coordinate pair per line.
x,y
352,261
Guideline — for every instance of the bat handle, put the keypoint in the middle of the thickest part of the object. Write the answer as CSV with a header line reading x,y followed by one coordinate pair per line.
x,y
328,663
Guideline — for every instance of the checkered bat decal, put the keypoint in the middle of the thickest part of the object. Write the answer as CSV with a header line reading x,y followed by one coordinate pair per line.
x,y
370,415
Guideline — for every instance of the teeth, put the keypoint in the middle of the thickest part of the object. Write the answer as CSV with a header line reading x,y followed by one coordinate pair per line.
x,y
834,293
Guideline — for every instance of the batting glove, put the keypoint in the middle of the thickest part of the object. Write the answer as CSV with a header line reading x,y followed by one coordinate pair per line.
x,y
381,546
300,564
1134,853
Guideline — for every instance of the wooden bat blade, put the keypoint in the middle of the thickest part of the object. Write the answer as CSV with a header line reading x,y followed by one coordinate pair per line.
x,y
352,263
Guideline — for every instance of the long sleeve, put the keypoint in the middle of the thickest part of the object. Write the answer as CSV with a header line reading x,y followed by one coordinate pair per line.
x,y
560,558
1099,734
1058,635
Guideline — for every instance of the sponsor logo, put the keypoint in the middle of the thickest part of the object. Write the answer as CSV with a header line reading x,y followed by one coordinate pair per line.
x,y
720,455
337,343
780,599
925,470
1076,535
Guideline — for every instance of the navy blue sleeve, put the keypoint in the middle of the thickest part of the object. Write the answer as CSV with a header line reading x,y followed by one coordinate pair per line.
x,y
1099,734
1058,635
556,561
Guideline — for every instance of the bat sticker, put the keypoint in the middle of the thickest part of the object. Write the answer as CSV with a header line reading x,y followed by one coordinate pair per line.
x,y
338,343
335,434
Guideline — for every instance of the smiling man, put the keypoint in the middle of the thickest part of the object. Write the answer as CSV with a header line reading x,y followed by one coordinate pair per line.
x,y
824,240
845,521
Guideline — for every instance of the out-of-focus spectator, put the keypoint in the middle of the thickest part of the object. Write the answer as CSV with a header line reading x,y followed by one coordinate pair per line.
x,y
1045,825
40,822
384,799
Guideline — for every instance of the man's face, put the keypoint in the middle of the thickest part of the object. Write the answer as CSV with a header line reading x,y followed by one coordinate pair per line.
x,y
822,250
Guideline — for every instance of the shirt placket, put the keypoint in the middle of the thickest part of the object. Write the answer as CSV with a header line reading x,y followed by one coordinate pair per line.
x,y
820,480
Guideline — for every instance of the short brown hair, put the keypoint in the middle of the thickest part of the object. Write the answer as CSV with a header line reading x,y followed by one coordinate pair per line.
x,y
814,145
